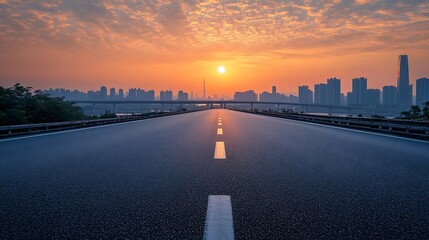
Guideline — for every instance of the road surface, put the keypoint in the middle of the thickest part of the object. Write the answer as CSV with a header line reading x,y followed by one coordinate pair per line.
x,y
152,179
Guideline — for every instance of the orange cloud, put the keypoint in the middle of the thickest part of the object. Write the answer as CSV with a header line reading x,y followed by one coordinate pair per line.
x,y
135,40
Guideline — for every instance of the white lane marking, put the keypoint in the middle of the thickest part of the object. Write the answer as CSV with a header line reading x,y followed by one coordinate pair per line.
x,y
219,224
219,131
219,124
219,120
78,129
220,152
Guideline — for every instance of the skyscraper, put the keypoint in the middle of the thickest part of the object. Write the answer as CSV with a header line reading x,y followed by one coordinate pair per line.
x,y
166,95
274,90
305,95
249,95
405,90
112,93
103,92
204,89
121,94
422,91
321,93
373,97
390,94
334,91
132,93
359,91
182,96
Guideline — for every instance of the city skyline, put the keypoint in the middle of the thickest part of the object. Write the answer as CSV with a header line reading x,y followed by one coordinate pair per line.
x,y
74,44
359,85
328,93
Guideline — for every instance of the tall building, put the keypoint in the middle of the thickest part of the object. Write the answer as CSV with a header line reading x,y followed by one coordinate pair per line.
x,y
334,91
305,95
149,95
103,92
112,93
166,95
390,94
405,90
182,96
121,94
265,97
249,95
273,96
140,94
204,89
359,91
373,97
321,93
422,91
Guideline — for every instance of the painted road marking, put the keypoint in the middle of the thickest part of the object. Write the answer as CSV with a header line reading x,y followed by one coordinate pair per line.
x,y
220,151
219,218
219,120
219,131
219,124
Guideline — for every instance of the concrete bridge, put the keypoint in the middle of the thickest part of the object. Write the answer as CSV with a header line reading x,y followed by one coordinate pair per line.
x,y
222,103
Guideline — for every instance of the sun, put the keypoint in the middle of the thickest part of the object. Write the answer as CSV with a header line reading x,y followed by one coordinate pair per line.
x,y
221,69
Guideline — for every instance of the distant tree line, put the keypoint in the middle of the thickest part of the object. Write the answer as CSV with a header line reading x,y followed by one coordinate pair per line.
x,y
21,105
417,113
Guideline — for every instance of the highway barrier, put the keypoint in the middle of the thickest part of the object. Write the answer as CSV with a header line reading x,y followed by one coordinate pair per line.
x,y
405,128
19,130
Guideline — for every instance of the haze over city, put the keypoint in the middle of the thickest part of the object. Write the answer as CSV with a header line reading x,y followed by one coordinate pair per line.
x,y
86,44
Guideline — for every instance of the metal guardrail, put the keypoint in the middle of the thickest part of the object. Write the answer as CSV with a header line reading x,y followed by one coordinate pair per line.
x,y
406,128
18,130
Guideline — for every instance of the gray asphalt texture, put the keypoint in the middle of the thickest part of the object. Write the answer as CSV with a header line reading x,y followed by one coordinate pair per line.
x,y
151,180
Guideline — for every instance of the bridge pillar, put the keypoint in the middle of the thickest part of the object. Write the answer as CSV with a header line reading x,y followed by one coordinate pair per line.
x,y
251,106
93,108
181,106
224,105
278,107
114,108
211,105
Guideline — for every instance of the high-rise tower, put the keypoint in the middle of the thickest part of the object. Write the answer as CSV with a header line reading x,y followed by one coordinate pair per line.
x,y
405,90
204,89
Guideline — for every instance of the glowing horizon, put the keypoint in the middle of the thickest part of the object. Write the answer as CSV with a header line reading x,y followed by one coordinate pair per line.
x,y
175,44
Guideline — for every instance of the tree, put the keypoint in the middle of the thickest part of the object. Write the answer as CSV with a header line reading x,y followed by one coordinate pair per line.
x,y
426,110
19,105
414,113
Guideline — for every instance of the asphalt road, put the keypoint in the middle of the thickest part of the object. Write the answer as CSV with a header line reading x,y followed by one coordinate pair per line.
x,y
151,180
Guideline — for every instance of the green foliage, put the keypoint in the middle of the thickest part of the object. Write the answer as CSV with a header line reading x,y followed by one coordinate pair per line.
x,y
417,113
426,110
19,105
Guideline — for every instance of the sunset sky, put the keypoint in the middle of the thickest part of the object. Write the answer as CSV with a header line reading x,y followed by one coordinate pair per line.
x,y
175,44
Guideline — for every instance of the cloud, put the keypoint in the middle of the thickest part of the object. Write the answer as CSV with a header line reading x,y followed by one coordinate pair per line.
x,y
206,27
